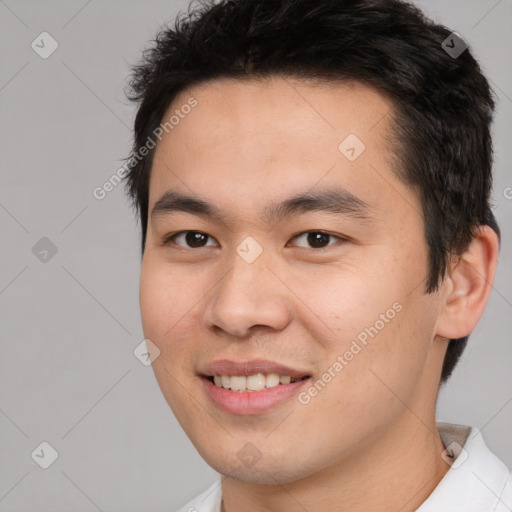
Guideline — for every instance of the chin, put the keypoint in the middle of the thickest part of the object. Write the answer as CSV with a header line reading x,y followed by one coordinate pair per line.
x,y
270,472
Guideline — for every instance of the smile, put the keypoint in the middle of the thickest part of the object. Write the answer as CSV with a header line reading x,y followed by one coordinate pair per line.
x,y
251,387
250,383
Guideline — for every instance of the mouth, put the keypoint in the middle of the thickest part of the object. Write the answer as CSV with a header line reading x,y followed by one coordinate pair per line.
x,y
252,383
251,387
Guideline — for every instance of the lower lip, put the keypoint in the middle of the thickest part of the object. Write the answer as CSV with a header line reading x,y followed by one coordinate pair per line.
x,y
250,402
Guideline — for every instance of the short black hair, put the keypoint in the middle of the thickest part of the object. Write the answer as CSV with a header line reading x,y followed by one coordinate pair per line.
x,y
443,104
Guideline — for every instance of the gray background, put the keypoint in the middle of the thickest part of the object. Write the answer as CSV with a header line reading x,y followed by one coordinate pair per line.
x,y
69,326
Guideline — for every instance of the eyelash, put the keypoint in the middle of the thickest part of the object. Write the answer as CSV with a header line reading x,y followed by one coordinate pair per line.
x,y
171,237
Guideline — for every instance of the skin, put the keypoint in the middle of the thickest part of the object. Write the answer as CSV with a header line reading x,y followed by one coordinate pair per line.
x,y
245,145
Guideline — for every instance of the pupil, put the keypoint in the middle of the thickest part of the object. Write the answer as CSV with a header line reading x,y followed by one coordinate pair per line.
x,y
315,239
194,238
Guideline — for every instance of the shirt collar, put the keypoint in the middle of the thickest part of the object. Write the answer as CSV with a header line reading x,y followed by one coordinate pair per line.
x,y
476,479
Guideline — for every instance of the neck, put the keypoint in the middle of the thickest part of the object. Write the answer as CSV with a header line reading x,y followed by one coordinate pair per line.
x,y
396,471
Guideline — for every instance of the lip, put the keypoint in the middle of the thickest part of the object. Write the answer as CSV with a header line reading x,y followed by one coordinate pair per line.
x,y
249,367
250,402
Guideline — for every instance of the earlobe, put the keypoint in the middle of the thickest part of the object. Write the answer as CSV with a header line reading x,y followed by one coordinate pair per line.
x,y
468,285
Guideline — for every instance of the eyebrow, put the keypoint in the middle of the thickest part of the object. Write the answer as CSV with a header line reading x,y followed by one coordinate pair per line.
x,y
338,201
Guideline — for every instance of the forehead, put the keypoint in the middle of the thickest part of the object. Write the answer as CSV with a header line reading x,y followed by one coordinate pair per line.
x,y
246,139
290,108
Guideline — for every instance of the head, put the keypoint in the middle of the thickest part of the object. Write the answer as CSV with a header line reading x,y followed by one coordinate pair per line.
x,y
357,108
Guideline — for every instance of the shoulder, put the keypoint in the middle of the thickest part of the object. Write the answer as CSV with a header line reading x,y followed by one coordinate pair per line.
x,y
505,500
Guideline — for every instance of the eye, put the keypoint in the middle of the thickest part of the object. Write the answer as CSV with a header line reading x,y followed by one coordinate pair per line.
x,y
198,239
194,239
317,239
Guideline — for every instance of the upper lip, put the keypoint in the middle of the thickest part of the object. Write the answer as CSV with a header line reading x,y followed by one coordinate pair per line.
x,y
249,367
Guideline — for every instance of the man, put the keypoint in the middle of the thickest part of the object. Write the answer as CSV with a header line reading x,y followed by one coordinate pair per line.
x,y
313,182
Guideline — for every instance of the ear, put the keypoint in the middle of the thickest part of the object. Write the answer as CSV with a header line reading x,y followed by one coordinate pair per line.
x,y
468,285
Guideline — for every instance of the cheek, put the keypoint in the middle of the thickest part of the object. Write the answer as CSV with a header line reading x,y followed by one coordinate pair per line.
x,y
166,306
376,327
345,303
154,301
383,361
167,301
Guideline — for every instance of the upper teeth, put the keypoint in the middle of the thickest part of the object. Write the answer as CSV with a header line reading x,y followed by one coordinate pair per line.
x,y
252,382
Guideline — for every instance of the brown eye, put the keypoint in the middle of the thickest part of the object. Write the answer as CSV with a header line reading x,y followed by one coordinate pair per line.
x,y
192,239
317,239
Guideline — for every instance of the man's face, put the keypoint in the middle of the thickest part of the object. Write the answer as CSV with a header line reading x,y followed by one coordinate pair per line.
x,y
335,294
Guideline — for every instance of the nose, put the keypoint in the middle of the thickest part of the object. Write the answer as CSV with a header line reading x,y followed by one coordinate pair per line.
x,y
248,295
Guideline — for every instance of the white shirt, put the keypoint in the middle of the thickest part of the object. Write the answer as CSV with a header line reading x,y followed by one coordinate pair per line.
x,y
477,480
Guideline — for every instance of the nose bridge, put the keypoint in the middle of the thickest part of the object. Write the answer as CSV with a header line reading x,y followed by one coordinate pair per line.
x,y
248,265
248,295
